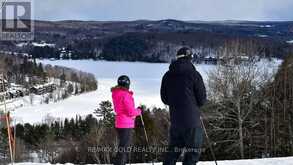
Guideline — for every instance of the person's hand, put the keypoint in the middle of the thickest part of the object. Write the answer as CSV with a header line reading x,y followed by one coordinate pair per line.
x,y
140,109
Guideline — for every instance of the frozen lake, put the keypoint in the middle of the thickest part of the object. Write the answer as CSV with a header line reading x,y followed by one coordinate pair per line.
x,y
145,79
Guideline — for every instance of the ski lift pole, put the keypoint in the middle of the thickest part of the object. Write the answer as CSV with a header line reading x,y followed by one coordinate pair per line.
x,y
7,116
9,138
209,142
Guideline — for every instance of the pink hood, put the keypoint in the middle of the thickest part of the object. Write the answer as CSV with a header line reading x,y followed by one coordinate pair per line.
x,y
124,107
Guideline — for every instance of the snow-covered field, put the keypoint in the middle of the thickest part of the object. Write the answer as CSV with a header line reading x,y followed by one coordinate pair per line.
x,y
145,78
270,161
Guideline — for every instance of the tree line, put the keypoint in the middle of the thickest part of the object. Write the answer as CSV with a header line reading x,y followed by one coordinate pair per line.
x,y
156,46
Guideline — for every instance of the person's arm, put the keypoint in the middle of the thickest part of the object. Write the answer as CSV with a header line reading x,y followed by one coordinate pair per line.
x,y
131,110
199,90
164,97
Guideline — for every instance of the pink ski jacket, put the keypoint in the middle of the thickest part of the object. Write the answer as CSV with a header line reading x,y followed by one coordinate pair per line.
x,y
124,107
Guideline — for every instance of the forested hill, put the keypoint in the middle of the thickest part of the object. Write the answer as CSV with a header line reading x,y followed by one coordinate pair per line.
x,y
153,41
28,74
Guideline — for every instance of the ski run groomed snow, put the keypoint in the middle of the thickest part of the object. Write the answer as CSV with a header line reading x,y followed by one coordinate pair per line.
x,y
267,161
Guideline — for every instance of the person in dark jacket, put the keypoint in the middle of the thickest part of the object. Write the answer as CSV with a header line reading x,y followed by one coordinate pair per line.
x,y
183,90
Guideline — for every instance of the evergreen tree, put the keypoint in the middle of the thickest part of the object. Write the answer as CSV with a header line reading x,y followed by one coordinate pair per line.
x,y
106,113
62,78
66,129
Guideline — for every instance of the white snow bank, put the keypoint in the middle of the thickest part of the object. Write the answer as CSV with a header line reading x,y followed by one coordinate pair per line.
x,y
268,161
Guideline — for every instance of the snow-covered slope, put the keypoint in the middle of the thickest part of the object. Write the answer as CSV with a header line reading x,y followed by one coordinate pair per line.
x,y
269,161
83,104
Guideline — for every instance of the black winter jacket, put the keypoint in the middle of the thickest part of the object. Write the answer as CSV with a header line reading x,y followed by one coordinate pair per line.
x,y
184,91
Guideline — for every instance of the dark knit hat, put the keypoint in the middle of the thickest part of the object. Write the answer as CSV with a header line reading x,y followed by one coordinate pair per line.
x,y
184,52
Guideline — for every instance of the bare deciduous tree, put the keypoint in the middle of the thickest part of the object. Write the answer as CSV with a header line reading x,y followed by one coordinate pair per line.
x,y
234,88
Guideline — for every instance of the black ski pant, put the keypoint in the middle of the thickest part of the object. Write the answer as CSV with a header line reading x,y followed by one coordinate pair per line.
x,y
124,137
187,140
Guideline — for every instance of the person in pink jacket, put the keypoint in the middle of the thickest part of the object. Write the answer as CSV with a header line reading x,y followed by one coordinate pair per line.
x,y
125,116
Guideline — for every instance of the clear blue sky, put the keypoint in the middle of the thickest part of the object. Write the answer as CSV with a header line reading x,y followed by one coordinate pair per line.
x,y
206,10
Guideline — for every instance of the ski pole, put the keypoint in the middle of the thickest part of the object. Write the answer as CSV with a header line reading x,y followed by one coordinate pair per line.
x,y
208,140
145,134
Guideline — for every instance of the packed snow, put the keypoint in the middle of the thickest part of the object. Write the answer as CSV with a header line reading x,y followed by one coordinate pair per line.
x,y
145,79
268,161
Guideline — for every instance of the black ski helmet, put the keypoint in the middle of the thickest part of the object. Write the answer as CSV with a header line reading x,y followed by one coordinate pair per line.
x,y
184,52
124,81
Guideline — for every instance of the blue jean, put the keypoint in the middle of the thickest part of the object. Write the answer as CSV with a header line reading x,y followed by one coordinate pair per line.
x,y
188,139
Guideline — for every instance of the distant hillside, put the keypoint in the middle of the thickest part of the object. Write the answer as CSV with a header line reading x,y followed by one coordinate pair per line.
x,y
28,73
153,41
